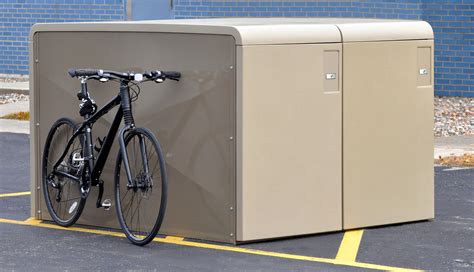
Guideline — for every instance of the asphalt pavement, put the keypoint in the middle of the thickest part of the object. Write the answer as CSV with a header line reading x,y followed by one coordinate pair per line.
x,y
443,244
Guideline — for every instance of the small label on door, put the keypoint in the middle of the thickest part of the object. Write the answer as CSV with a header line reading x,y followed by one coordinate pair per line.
x,y
423,71
330,71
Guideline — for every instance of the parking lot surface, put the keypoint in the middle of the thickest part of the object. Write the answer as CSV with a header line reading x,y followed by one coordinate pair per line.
x,y
443,244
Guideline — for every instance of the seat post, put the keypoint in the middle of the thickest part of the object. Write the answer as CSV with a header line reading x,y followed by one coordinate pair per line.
x,y
84,92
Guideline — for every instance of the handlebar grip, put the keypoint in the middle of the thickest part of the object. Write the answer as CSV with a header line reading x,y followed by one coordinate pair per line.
x,y
171,75
82,72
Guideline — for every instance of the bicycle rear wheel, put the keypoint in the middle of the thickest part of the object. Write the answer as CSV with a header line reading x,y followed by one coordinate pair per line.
x,y
62,193
141,203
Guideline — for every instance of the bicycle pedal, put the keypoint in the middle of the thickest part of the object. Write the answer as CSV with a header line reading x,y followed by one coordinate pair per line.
x,y
85,191
107,204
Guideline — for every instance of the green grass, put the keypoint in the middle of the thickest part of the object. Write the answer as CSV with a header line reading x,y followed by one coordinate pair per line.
x,y
466,160
22,115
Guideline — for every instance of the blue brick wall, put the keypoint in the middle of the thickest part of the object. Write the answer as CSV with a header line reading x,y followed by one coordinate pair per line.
x,y
17,17
452,21
453,24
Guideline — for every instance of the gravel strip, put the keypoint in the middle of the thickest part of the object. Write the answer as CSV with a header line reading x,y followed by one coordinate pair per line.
x,y
13,98
454,116
14,79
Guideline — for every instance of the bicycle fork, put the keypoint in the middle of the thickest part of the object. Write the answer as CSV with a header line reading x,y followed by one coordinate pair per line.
x,y
130,126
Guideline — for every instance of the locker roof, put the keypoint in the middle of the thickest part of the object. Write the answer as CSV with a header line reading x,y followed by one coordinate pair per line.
x,y
253,31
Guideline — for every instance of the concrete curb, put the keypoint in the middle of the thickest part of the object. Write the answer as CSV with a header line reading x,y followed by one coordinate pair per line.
x,y
14,107
14,126
22,87
454,146
447,151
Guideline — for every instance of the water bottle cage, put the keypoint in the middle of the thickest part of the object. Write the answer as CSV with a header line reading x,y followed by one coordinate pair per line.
x,y
87,106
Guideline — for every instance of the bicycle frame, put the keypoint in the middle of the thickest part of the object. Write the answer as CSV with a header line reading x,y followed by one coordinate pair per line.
x,y
93,167
67,181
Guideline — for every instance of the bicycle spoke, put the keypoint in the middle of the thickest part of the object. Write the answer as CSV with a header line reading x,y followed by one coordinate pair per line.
x,y
131,204
121,200
135,211
128,207
70,199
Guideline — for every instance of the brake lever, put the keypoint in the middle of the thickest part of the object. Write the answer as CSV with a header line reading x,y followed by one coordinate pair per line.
x,y
104,78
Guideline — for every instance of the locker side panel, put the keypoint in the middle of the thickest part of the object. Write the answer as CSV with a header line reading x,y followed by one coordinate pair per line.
x,y
289,180
193,119
388,132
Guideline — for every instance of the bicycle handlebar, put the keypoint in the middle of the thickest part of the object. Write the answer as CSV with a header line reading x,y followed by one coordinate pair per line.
x,y
152,75
82,72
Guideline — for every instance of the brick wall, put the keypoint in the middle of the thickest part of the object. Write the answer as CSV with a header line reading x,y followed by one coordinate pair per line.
x,y
453,24
452,21
17,17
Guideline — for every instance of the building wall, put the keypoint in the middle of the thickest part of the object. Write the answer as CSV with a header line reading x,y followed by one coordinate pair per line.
x,y
452,21
17,17
453,24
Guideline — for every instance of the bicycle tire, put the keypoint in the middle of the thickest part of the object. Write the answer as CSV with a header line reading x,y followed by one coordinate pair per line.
x,y
151,193
74,203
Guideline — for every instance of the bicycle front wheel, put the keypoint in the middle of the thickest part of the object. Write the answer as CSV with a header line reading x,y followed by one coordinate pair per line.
x,y
61,187
141,201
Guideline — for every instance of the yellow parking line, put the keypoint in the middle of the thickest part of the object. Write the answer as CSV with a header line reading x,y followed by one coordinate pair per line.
x,y
32,221
15,194
174,238
178,241
350,245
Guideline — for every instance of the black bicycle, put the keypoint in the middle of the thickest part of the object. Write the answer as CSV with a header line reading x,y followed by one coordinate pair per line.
x,y
72,165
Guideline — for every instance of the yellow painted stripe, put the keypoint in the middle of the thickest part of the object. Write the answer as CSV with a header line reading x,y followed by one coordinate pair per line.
x,y
15,194
37,223
32,221
350,245
174,238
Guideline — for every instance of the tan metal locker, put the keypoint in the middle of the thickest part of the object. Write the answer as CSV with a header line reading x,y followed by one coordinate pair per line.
x,y
290,153
266,134
388,133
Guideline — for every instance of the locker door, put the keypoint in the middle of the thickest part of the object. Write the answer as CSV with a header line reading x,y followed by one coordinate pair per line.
x,y
387,132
